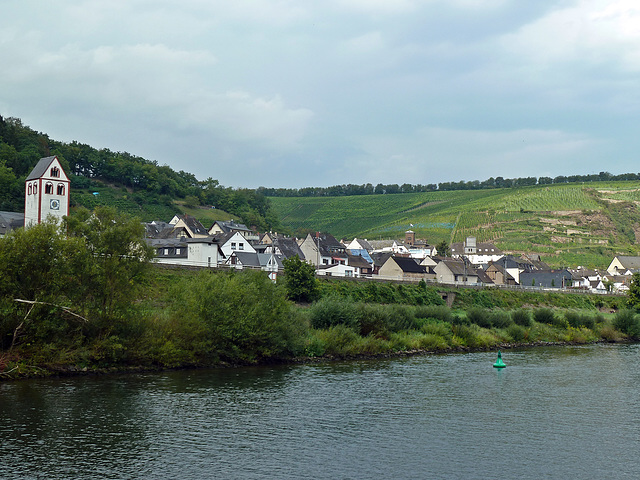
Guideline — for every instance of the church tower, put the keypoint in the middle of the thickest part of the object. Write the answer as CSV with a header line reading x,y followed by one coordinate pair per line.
x,y
46,192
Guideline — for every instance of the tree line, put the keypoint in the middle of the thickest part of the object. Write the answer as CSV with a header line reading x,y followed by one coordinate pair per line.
x,y
490,183
22,147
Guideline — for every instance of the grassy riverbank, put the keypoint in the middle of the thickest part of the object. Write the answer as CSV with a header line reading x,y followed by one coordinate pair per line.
x,y
192,319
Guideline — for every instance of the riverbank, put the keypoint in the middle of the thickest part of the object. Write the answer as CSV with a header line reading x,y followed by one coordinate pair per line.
x,y
25,371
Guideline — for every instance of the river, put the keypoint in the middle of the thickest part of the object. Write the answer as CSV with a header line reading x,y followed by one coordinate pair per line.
x,y
554,412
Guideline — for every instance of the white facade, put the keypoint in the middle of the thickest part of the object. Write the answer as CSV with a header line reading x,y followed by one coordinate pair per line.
x,y
236,243
46,192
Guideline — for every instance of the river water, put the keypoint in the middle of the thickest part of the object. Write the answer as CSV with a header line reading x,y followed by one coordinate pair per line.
x,y
554,412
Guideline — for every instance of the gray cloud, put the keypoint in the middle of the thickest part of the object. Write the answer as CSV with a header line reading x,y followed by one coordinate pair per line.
x,y
290,93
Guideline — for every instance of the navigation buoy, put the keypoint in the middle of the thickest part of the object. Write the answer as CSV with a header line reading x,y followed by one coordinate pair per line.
x,y
499,363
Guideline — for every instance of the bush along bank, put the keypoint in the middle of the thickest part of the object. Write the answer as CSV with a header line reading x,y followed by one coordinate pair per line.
x,y
193,319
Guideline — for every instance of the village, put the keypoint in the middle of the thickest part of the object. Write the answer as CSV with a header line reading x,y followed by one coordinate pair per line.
x,y
184,241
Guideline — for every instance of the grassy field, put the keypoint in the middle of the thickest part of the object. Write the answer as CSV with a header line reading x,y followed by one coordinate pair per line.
x,y
568,224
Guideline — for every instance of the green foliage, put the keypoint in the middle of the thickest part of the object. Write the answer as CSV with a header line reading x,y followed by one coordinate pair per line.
x,y
300,280
627,322
544,315
235,316
633,295
521,317
331,311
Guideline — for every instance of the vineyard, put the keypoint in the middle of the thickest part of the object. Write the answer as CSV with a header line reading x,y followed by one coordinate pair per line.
x,y
568,225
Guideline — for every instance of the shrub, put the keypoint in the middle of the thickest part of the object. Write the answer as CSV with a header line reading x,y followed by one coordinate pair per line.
x,y
627,322
480,317
500,319
333,310
439,312
546,315
521,317
401,317
517,333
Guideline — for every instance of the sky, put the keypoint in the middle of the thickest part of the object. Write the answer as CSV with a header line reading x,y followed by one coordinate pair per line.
x,y
297,93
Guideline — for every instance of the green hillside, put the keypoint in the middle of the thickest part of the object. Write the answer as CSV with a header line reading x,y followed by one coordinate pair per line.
x,y
568,224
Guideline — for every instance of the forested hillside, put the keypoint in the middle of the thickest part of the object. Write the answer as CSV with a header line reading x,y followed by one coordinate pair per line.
x,y
131,184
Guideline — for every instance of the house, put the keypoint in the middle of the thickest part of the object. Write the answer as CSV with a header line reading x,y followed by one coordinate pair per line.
x,y
624,265
478,253
379,259
233,242
546,278
263,261
499,275
453,270
189,226
404,268
363,266
281,245
359,244
189,252
46,192
323,249
10,221
337,270
231,226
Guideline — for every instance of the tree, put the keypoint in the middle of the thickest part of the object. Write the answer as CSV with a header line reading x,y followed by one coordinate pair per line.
x,y
443,249
120,253
633,295
300,280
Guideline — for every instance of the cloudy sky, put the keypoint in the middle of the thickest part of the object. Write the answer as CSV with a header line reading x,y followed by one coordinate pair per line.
x,y
294,93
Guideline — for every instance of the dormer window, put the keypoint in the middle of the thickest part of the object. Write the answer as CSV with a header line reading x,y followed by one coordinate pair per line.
x,y
48,188
55,172
60,189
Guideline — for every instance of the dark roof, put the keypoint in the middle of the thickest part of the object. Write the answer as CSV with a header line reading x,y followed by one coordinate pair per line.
x,y
548,278
41,167
230,226
457,267
379,258
288,246
358,261
194,225
409,265
10,221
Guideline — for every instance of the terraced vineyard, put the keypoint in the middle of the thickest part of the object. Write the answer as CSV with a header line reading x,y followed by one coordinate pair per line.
x,y
569,224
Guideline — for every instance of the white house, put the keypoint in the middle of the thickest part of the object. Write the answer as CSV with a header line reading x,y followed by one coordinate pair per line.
x,y
46,192
233,242
190,252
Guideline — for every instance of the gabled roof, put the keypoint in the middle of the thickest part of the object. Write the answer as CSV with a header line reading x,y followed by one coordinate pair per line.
x,y
288,246
379,258
409,265
631,263
194,225
457,267
41,168
357,261
230,226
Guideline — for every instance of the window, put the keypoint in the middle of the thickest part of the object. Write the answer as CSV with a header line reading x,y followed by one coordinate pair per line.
x,y
233,245
240,246
348,273
60,189
48,188
35,188
166,251
177,251
29,190
55,172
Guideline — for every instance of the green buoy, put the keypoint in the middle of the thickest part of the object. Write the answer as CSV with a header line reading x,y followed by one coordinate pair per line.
x,y
499,363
